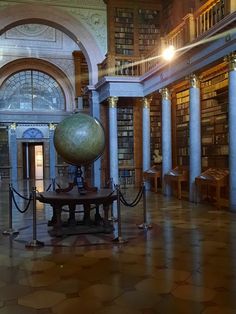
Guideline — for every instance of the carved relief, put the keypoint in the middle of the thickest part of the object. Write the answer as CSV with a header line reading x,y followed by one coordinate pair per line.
x,y
32,32
96,22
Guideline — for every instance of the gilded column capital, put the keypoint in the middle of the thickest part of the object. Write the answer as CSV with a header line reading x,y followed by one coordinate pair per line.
x,y
165,93
12,126
194,81
231,59
146,101
113,102
52,126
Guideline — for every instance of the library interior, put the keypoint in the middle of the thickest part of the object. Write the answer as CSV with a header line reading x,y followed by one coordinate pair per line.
x,y
131,208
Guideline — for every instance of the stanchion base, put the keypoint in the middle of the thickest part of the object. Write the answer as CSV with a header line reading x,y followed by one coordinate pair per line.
x,y
34,244
10,232
113,219
119,240
145,226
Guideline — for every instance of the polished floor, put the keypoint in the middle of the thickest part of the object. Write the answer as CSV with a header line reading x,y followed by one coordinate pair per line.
x,y
185,264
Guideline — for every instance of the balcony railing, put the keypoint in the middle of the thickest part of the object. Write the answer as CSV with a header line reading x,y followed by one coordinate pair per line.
x,y
120,66
192,27
208,15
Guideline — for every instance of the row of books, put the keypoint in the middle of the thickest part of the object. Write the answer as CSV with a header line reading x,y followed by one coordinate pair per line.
x,y
124,13
124,31
215,150
215,79
182,100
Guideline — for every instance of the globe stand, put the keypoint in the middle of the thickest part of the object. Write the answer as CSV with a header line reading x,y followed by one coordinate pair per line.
x,y
79,181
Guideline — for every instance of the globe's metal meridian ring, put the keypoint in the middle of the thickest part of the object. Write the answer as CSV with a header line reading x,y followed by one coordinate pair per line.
x,y
79,139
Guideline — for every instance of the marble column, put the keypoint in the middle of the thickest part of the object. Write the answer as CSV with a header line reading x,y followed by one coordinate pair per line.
x,y
166,139
13,152
52,152
232,128
113,147
146,135
95,112
113,140
194,136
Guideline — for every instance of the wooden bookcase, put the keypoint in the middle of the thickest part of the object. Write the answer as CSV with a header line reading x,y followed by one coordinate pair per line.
x,y
125,129
214,121
134,27
149,29
155,124
124,31
182,128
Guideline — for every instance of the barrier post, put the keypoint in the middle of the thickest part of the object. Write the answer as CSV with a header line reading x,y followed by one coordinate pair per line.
x,y
144,225
35,243
112,218
119,238
10,230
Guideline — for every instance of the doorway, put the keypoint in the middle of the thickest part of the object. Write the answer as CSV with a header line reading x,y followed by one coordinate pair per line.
x,y
33,162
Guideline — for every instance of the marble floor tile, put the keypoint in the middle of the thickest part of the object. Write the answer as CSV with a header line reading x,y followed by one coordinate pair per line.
x,y
41,299
185,264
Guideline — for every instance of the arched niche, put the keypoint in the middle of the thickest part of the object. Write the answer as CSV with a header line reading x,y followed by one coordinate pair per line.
x,y
59,19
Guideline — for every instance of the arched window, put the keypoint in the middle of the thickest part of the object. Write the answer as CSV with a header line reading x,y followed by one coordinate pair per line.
x,y
31,90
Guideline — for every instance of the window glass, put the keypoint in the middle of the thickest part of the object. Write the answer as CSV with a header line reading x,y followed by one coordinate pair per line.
x,y
31,91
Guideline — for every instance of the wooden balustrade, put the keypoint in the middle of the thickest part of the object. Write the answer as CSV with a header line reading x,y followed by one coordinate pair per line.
x,y
120,66
208,15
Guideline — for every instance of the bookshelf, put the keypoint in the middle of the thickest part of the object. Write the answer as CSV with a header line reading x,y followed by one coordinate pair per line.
x,y
125,129
134,28
214,117
124,31
149,29
155,124
182,128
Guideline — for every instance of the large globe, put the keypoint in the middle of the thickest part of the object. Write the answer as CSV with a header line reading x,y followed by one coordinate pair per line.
x,y
79,139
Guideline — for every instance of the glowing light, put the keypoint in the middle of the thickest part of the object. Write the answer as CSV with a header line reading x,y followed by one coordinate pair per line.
x,y
168,53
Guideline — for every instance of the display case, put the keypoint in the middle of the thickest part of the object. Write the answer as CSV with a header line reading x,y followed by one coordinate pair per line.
x,y
215,178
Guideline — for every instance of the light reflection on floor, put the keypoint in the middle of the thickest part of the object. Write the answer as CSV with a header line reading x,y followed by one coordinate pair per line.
x,y
185,264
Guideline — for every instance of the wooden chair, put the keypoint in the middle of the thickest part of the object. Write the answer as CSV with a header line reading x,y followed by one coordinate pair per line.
x,y
154,173
177,175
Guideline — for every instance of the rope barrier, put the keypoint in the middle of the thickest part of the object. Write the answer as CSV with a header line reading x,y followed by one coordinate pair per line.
x,y
21,196
48,188
135,201
17,207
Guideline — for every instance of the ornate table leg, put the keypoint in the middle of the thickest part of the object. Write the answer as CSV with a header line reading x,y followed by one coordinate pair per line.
x,y
106,223
87,220
71,220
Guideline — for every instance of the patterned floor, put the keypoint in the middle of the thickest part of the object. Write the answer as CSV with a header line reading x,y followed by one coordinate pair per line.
x,y
185,264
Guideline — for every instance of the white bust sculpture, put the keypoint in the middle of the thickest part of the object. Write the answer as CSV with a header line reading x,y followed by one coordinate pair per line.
x,y
157,158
